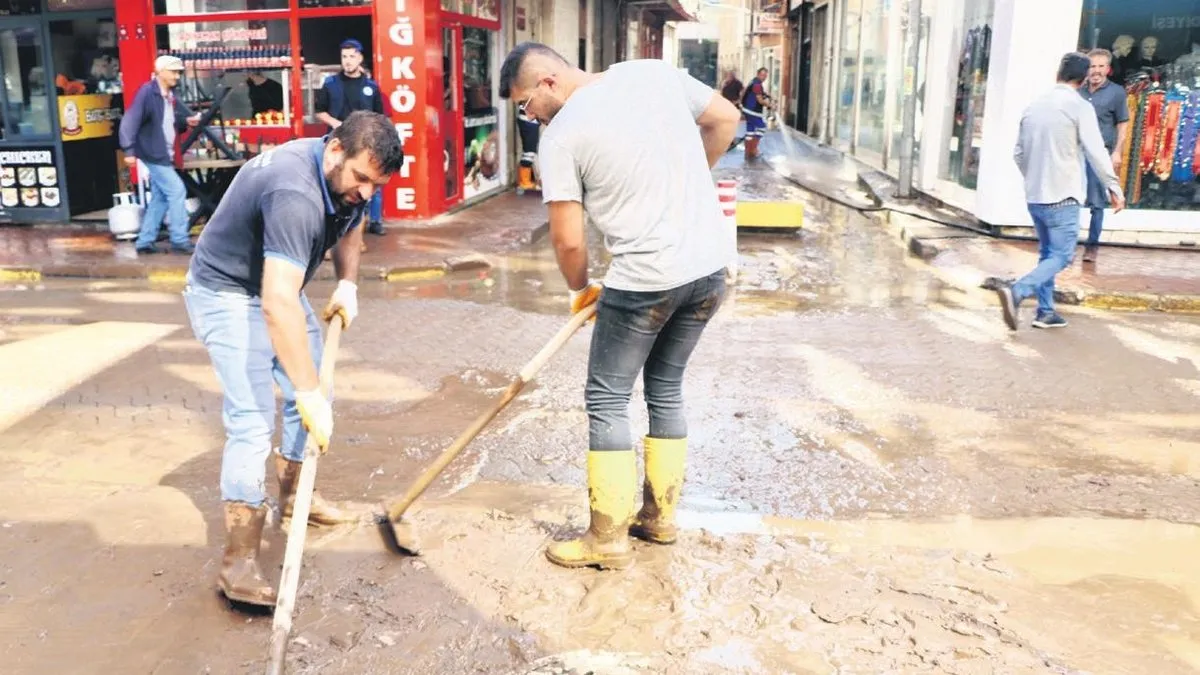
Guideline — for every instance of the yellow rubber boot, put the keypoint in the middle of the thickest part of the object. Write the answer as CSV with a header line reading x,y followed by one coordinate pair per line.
x,y
665,457
612,491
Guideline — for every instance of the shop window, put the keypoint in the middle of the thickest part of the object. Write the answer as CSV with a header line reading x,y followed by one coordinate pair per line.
x,y
77,5
86,60
481,128
1156,57
184,7
18,7
482,9
321,41
308,4
848,72
873,96
243,68
25,81
964,133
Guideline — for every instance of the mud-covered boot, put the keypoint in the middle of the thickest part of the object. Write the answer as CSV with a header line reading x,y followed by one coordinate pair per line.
x,y
612,491
241,579
321,512
655,523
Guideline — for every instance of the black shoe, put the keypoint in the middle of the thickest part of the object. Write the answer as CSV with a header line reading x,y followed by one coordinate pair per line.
x,y
1051,320
1090,253
1008,304
186,249
375,228
148,250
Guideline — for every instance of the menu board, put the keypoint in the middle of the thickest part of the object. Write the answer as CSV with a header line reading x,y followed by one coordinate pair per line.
x,y
29,178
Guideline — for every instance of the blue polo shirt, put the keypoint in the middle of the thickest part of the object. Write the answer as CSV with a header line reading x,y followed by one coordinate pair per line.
x,y
1111,109
278,206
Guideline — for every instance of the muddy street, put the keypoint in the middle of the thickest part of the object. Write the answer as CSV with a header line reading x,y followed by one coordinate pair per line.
x,y
881,479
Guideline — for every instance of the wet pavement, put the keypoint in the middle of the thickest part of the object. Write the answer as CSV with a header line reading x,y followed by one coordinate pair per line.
x,y
881,479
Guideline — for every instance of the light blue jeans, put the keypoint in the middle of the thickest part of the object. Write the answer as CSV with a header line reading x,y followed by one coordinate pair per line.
x,y
1057,229
232,327
168,197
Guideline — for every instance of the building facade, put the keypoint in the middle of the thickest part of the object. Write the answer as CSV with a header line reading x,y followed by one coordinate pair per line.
x,y
981,62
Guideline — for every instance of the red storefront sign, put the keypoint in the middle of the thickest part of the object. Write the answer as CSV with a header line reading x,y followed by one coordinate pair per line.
x,y
403,38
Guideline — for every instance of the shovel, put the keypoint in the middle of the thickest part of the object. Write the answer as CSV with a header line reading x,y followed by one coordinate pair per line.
x,y
398,532
298,530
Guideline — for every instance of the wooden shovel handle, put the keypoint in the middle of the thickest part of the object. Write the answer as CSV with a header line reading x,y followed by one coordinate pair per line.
x,y
531,369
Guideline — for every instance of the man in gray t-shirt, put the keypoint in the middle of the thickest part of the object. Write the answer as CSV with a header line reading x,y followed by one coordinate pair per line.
x,y
633,148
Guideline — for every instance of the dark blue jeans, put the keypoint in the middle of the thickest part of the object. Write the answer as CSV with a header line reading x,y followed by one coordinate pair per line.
x,y
1097,201
655,332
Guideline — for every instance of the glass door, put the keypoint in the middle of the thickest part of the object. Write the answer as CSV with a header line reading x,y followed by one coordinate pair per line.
x,y
451,117
31,185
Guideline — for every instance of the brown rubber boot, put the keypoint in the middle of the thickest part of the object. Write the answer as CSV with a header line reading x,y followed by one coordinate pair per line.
x,y
240,578
665,457
321,513
612,491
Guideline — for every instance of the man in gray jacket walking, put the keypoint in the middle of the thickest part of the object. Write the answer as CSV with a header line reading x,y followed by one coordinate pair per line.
x,y
1058,131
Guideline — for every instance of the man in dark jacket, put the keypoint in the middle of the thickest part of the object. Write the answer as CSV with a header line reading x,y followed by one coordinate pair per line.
x,y
349,91
148,132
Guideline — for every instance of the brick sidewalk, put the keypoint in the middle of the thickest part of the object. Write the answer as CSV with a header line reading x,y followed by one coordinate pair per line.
x,y
1122,277
421,248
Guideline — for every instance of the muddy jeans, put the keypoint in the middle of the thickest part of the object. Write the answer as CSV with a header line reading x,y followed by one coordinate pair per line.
x,y
656,331
232,327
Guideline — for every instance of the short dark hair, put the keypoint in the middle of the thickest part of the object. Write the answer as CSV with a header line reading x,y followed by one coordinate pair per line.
x,y
761,70
351,43
374,133
510,70
1073,67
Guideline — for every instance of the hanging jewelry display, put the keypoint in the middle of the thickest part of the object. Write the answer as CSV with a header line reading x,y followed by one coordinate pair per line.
x,y
1128,138
1184,169
1169,134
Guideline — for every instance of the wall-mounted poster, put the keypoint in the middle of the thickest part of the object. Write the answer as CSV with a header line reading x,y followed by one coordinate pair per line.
x,y
87,116
29,179
481,172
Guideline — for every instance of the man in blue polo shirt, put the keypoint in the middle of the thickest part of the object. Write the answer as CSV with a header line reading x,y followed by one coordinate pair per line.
x,y
1112,113
349,91
245,299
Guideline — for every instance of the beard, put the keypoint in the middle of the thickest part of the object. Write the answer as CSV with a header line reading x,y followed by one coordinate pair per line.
x,y
342,201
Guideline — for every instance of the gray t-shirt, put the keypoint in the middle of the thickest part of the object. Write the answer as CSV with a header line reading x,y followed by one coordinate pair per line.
x,y
1111,109
277,206
627,147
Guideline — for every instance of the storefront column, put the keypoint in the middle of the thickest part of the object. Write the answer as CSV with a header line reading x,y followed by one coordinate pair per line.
x,y
1028,42
409,72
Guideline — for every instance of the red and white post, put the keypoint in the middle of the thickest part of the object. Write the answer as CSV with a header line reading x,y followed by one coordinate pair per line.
x,y
727,197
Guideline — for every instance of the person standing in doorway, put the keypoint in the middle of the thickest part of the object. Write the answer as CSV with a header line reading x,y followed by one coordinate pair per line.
x,y
349,91
1058,132
653,197
1112,113
755,103
148,131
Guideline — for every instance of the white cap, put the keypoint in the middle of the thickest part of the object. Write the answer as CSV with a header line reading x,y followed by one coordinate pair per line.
x,y
168,62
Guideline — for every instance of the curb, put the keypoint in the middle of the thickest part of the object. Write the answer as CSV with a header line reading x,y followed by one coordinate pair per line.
x,y
973,281
177,274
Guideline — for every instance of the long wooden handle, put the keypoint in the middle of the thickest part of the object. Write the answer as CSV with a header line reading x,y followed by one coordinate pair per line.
x,y
289,581
531,369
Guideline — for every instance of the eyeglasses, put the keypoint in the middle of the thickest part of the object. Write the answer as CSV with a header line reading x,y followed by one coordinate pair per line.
x,y
521,107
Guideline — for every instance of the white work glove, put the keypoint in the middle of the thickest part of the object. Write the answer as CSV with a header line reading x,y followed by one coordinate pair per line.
x,y
586,296
317,416
344,301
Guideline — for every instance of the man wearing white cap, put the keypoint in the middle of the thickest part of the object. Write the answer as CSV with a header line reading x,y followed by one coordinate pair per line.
x,y
148,132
